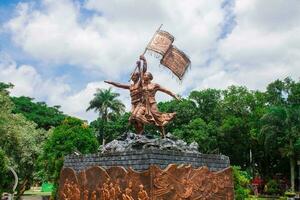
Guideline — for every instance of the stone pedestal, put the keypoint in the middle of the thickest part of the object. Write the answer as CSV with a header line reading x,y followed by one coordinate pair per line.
x,y
141,160
141,171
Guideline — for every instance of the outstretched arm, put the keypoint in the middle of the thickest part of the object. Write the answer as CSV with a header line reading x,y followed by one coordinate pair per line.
x,y
164,90
119,85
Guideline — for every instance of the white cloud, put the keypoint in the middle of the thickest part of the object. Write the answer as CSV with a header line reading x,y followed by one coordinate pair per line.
x,y
110,39
28,82
264,44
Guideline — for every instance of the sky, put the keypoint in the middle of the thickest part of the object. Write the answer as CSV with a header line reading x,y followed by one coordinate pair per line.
x,y
61,51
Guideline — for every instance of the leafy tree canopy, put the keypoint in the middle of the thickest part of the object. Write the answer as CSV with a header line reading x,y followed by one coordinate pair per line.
x,y
43,115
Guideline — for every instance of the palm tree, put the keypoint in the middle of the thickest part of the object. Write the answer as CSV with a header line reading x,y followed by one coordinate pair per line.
x,y
105,102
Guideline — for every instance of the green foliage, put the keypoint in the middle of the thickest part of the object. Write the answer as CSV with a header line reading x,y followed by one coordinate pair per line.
x,y
185,112
201,132
207,104
3,170
111,129
20,141
43,115
241,183
235,121
72,135
105,102
272,187
281,123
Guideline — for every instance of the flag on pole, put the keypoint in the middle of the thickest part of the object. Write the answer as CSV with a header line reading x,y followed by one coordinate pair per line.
x,y
161,42
172,58
176,61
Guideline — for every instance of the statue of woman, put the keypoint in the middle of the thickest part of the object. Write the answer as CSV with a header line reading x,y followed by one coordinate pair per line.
x,y
147,112
135,90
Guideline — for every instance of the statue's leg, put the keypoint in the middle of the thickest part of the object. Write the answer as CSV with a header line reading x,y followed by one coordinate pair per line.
x,y
162,131
139,128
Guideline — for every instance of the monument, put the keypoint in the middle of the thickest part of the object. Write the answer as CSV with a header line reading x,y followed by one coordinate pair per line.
x,y
136,166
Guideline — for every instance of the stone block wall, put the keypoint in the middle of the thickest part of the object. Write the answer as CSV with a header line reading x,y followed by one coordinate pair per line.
x,y
141,160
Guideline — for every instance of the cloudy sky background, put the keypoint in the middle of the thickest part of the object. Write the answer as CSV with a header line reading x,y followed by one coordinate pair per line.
x,y
60,51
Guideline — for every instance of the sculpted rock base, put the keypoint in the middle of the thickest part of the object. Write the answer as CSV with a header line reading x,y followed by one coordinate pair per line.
x,y
172,183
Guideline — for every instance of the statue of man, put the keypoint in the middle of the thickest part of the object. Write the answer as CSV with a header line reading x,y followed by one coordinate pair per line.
x,y
135,89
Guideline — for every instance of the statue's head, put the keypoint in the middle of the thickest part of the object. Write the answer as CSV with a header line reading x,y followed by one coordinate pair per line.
x,y
141,187
135,76
127,191
148,77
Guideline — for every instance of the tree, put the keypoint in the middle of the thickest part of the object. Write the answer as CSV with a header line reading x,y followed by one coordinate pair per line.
x,y
207,104
72,135
3,170
234,129
281,124
105,102
185,112
20,141
113,128
201,132
43,115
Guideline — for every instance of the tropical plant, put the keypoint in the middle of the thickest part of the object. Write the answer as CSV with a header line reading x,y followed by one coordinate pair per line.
x,y
105,102
241,183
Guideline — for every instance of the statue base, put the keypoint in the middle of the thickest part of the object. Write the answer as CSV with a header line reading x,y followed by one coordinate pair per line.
x,y
174,183
141,168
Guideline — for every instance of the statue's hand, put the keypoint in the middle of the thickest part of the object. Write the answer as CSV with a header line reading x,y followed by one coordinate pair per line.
x,y
142,57
109,82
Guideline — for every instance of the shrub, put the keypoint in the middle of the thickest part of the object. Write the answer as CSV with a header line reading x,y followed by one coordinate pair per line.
x,y
3,169
72,135
272,187
241,183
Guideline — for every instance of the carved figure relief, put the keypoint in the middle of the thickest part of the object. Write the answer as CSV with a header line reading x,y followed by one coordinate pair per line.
x,y
174,183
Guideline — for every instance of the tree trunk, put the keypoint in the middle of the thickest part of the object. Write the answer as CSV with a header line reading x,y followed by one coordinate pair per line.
x,y
292,167
22,189
105,118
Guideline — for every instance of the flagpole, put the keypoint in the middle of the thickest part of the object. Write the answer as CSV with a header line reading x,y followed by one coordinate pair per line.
x,y
152,38
146,49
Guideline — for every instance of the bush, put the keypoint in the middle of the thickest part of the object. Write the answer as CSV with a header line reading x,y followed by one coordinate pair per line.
x,y
241,183
3,170
72,135
272,187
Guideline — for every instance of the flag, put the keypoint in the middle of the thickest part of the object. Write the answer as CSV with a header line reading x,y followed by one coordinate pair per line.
x,y
172,58
161,42
176,61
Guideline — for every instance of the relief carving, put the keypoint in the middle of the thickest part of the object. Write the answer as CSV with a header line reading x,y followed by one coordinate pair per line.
x,y
174,183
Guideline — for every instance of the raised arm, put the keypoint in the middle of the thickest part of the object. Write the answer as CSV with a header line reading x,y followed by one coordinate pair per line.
x,y
119,85
142,57
164,90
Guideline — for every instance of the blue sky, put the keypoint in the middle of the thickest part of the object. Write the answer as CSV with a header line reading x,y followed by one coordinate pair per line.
x,y
61,51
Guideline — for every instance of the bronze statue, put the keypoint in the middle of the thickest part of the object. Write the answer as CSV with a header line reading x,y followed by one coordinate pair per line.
x,y
135,92
147,111
144,107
